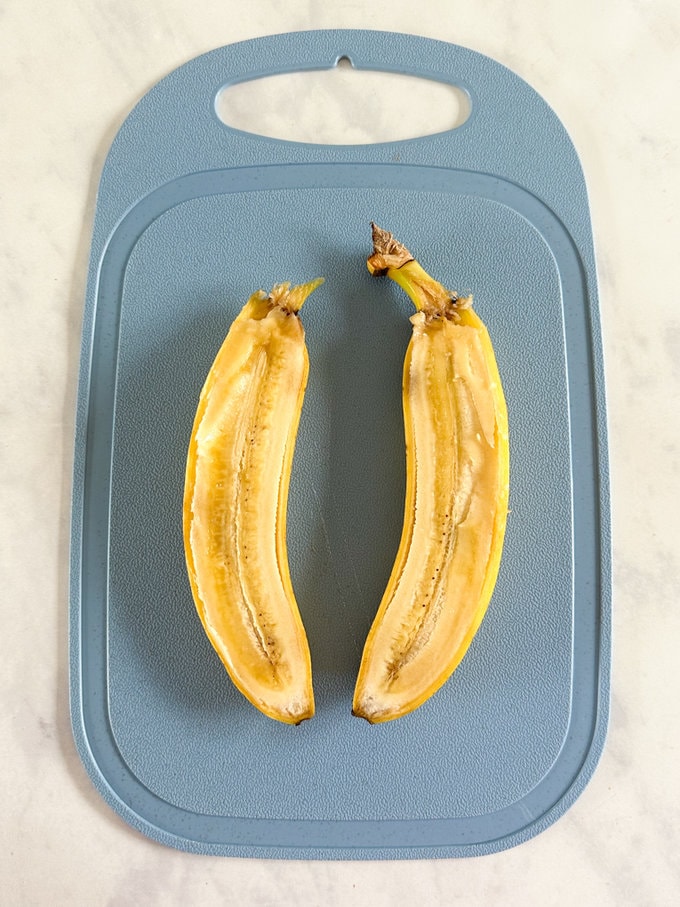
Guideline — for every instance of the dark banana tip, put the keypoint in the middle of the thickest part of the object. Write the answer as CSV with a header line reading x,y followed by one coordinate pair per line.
x,y
388,252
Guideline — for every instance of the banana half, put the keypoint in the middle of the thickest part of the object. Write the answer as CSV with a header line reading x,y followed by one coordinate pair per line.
x,y
457,480
235,500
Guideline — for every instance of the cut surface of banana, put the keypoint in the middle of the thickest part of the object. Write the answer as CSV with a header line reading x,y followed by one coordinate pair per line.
x,y
457,482
235,502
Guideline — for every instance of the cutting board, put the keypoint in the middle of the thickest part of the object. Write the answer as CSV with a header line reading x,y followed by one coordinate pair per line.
x,y
192,217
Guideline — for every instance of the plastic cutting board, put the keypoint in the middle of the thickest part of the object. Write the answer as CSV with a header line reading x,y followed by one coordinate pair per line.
x,y
497,206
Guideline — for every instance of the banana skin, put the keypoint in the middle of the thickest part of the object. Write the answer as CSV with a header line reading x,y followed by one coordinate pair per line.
x,y
235,499
457,483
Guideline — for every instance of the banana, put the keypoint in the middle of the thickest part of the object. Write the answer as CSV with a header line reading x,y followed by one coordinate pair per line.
x,y
235,500
457,480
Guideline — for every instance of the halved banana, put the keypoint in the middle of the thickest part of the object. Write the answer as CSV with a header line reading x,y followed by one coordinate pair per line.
x,y
457,480
235,500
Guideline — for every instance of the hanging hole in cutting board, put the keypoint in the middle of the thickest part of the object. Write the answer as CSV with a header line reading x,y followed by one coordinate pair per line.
x,y
342,106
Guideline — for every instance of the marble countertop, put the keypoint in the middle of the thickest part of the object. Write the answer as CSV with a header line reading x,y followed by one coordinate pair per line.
x,y
69,78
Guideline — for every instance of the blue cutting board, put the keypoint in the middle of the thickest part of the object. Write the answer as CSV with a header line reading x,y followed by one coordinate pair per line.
x,y
497,206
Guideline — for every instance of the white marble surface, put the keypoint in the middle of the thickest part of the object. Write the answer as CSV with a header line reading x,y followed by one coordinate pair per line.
x,y
69,75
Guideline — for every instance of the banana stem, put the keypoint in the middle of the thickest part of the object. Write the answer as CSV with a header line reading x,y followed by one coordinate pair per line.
x,y
392,258
291,300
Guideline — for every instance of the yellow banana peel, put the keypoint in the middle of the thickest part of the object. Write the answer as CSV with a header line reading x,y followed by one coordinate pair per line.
x,y
457,481
235,500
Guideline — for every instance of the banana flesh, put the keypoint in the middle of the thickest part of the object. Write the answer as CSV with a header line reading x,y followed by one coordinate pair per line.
x,y
457,480
235,500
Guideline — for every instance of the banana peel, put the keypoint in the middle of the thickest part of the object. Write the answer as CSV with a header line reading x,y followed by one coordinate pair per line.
x,y
457,483
235,499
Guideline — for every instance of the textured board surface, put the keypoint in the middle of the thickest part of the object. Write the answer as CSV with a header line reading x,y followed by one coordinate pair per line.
x,y
498,207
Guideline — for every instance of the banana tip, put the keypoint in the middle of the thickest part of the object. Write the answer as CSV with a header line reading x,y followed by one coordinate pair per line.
x,y
356,714
292,299
388,252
